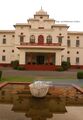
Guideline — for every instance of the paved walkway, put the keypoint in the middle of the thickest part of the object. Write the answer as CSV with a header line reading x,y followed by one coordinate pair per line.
x,y
52,75
55,74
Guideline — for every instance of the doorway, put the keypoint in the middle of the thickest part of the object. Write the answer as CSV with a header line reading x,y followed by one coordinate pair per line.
x,y
40,39
40,60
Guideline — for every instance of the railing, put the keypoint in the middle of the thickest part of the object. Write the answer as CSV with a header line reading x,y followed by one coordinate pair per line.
x,y
40,44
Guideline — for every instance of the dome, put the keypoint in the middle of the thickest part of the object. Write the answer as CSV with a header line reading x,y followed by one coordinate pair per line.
x,y
41,12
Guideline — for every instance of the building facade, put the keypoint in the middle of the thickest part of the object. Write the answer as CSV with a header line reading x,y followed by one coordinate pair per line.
x,y
41,44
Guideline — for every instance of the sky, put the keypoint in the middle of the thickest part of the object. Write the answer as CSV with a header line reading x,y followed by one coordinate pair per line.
x,y
63,11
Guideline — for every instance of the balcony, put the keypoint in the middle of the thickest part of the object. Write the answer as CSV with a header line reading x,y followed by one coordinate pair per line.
x,y
40,44
25,45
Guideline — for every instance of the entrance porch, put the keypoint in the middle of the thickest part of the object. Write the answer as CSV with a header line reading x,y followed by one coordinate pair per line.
x,y
40,61
40,58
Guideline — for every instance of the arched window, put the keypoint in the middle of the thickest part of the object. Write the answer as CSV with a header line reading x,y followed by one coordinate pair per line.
x,y
49,39
32,39
40,39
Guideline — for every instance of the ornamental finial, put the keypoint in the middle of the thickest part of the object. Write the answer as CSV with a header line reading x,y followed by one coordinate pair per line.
x,y
41,7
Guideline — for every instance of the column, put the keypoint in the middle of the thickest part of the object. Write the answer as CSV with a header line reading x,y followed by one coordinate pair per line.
x,y
31,58
22,57
49,58
58,58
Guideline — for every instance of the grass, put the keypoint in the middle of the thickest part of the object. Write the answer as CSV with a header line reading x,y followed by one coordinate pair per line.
x,y
17,79
29,79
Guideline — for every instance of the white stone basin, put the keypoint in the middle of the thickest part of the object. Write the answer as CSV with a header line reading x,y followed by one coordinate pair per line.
x,y
39,89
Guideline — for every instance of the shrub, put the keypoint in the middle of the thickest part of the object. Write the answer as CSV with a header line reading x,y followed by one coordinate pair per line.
x,y
59,69
15,64
80,75
0,75
20,68
65,65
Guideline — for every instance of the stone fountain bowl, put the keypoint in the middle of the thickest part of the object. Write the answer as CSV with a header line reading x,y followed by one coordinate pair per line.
x,y
39,89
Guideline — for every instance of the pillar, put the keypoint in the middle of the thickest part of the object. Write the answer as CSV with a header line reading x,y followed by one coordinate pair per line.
x,y
49,58
22,57
58,58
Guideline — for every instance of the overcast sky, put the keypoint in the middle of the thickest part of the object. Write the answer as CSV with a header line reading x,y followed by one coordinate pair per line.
x,y
18,11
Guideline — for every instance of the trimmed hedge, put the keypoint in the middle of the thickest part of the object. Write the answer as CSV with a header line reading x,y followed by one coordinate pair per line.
x,y
15,64
20,68
0,75
60,69
65,65
80,75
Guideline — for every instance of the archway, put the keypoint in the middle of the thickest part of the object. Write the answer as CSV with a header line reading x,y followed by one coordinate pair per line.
x,y
40,39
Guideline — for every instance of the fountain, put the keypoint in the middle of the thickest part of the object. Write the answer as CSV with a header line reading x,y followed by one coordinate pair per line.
x,y
39,89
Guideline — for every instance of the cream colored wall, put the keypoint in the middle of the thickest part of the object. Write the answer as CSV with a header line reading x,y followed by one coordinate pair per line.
x,y
13,42
73,49
8,47
38,22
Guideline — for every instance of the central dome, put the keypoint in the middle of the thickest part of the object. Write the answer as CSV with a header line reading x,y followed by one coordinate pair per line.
x,y
41,12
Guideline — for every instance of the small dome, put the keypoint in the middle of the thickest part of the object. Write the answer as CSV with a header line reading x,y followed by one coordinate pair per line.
x,y
41,12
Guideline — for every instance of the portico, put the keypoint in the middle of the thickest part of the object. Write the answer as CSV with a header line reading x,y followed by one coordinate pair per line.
x,y
40,57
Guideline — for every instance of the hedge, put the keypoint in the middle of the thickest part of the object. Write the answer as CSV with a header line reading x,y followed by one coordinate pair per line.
x,y
0,75
80,75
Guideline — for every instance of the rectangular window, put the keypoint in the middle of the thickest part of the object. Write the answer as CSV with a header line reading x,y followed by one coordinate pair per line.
x,y
4,41
77,60
59,39
21,39
68,59
68,43
77,43
3,58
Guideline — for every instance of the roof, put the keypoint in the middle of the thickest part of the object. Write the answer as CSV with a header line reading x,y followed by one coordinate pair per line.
x,y
7,31
75,32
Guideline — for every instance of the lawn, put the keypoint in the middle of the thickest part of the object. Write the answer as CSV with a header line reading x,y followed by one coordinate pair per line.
x,y
17,79
30,79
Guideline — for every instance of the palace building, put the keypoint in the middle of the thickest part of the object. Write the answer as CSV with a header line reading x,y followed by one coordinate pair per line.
x,y
41,44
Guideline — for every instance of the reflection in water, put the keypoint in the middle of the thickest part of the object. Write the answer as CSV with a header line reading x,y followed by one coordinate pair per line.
x,y
54,103
38,109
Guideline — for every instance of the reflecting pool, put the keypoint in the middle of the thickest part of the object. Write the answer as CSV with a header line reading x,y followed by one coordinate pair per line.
x,y
61,103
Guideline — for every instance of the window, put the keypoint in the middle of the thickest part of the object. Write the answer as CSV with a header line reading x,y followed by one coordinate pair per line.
x,y
68,52
68,43
77,37
40,39
49,39
4,41
32,39
77,52
41,17
4,35
68,59
21,39
68,36
77,43
40,27
13,35
3,58
60,39
3,50
12,51
21,33
77,60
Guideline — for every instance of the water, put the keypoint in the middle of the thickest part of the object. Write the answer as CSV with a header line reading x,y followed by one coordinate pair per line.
x,y
16,103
